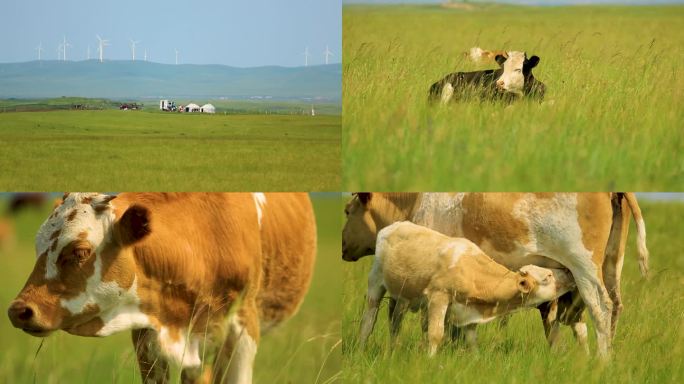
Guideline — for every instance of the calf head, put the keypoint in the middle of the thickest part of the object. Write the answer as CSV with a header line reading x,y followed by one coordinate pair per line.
x,y
517,69
360,231
84,273
539,285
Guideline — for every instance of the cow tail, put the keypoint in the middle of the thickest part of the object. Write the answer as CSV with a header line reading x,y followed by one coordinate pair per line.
x,y
641,232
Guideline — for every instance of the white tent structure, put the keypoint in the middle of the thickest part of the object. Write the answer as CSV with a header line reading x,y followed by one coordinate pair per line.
x,y
192,107
208,108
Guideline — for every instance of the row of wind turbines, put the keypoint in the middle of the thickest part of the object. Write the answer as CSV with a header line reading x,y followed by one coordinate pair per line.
x,y
62,51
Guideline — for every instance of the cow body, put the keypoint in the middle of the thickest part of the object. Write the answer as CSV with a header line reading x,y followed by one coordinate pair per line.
x,y
186,272
514,79
552,230
422,267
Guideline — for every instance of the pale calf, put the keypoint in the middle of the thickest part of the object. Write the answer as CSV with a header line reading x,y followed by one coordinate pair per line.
x,y
458,282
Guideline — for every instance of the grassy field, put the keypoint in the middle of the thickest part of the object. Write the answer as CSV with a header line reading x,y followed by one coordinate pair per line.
x,y
648,347
141,150
612,118
303,350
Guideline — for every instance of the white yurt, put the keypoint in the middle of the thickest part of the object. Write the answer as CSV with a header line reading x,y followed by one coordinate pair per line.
x,y
192,107
208,108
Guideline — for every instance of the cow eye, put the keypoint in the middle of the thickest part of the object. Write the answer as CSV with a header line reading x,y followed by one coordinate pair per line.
x,y
518,70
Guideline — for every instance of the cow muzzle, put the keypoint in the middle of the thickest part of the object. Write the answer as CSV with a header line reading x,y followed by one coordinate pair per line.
x,y
24,316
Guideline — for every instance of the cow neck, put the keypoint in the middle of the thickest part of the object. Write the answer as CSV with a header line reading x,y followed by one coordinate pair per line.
x,y
496,284
388,208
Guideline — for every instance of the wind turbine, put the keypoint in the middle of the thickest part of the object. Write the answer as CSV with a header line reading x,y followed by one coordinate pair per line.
x,y
103,43
145,54
175,49
327,54
306,56
133,43
39,48
64,47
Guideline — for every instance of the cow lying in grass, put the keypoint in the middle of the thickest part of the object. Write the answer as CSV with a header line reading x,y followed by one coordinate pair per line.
x,y
458,282
510,82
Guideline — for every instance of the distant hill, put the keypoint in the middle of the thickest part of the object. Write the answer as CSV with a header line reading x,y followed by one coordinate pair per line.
x,y
139,79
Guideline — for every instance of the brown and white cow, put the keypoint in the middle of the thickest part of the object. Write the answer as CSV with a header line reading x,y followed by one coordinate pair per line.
x,y
453,278
577,231
186,272
477,54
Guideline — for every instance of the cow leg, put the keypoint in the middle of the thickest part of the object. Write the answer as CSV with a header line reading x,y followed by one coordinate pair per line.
x,y
571,309
548,312
235,362
470,332
397,316
153,367
438,302
376,291
196,375
598,302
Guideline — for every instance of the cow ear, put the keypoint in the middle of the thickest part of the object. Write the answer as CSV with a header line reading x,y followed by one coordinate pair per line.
x,y
134,225
524,284
532,62
500,59
364,197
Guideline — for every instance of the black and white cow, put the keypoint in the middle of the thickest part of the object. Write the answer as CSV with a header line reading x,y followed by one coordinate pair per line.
x,y
513,80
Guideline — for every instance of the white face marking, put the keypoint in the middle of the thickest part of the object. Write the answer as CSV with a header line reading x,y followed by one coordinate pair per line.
x,y
180,352
86,220
476,54
242,362
259,202
124,314
547,287
512,78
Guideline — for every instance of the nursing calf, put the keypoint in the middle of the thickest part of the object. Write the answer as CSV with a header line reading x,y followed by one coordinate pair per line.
x,y
514,79
196,277
456,280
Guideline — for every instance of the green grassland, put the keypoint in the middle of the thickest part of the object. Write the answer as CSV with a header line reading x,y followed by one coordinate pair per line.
x,y
612,116
648,347
305,349
145,150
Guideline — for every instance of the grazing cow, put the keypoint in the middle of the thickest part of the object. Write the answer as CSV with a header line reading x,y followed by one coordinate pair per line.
x,y
20,201
196,277
513,80
577,231
419,266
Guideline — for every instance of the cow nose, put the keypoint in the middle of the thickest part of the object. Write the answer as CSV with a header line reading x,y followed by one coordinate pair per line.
x,y
20,313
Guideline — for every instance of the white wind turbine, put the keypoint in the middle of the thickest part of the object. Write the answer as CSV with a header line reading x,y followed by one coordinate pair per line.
x,y
306,56
102,44
175,49
327,54
145,54
39,48
133,44
64,47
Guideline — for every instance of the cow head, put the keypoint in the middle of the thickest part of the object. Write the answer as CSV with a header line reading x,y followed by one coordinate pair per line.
x,y
539,285
517,69
84,274
359,232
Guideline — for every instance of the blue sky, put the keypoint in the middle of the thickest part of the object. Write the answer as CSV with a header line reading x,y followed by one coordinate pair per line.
x,y
241,33
526,2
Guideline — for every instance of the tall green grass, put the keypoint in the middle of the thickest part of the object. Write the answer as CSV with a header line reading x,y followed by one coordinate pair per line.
x,y
648,347
612,117
140,150
304,349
